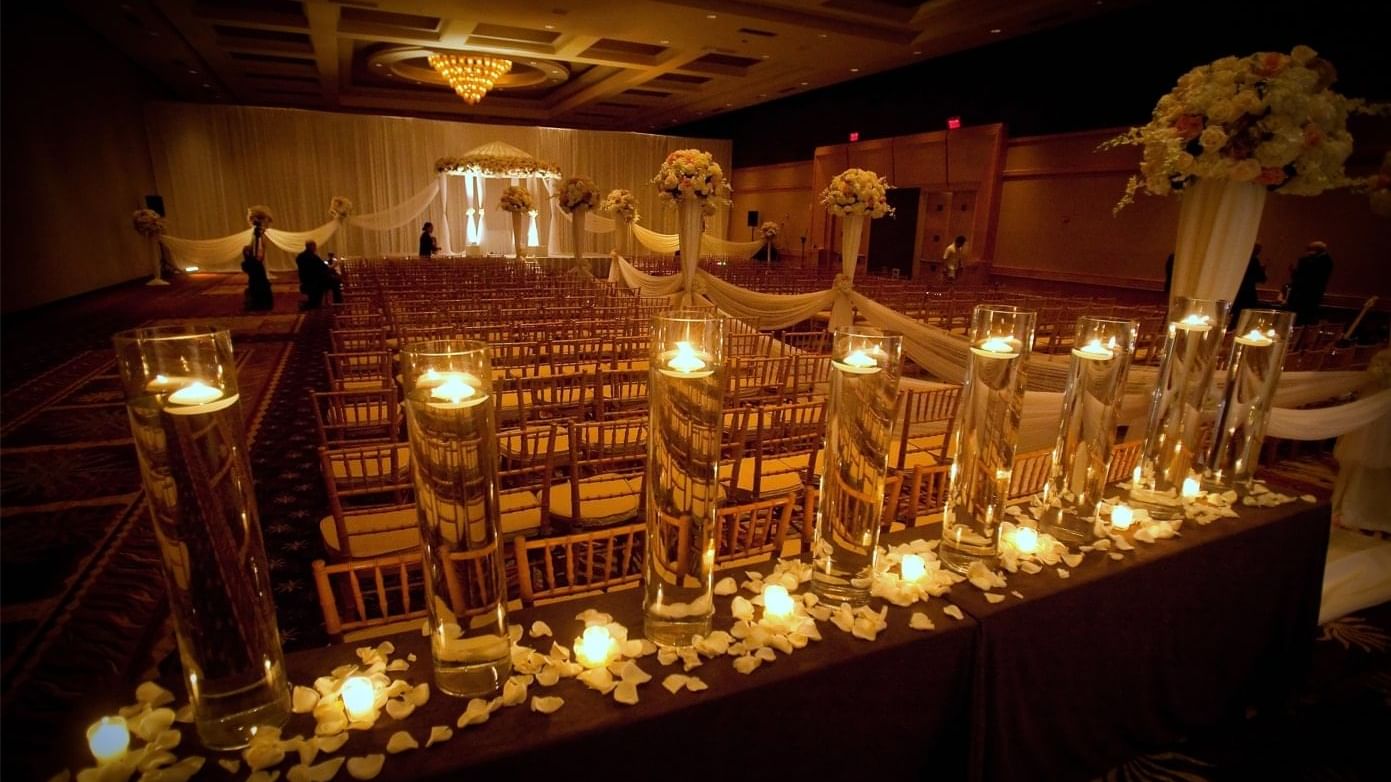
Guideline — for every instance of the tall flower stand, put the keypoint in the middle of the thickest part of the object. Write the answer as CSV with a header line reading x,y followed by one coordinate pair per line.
x,y
1217,227
690,211
851,229
577,218
158,278
519,234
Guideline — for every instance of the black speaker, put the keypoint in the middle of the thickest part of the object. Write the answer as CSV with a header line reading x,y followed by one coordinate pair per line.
x,y
753,219
155,202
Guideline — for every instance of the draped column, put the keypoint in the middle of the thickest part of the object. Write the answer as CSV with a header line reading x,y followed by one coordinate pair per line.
x,y
692,226
445,246
851,229
1217,226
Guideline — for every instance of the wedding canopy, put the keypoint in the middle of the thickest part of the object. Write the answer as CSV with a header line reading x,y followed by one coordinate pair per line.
x,y
494,160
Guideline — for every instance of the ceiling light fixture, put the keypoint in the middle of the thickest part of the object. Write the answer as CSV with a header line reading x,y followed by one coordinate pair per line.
x,y
994,31
854,70
712,16
471,75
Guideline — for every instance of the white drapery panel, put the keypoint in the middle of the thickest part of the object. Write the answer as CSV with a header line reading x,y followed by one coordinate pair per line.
x,y
211,162
768,310
293,241
214,255
713,245
1218,220
662,244
620,271
394,217
1321,423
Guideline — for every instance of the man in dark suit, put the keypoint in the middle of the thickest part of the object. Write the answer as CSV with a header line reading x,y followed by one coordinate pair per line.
x,y
313,275
1247,297
1308,281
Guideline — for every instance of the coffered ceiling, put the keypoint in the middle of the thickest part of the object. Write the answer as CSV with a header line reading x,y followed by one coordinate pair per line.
x,y
629,65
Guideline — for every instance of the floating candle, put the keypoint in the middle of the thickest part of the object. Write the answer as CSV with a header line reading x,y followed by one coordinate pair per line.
x,y
595,647
1095,351
195,393
912,568
995,347
359,698
1255,338
1122,517
1191,488
1194,322
108,738
1025,539
455,390
858,362
684,362
777,604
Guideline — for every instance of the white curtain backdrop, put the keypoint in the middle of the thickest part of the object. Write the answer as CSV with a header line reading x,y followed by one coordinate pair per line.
x,y
212,162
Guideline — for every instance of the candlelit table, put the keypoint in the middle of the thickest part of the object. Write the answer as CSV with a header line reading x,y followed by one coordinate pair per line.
x,y
1125,657
837,707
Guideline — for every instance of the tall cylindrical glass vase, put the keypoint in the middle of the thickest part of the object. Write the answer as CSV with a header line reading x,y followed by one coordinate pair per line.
x,y
577,232
452,415
986,434
519,220
1172,433
1258,354
1101,353
685,397
185,414
865,367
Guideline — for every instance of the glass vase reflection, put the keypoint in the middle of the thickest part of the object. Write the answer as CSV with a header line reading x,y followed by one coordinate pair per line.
x,y
1258,353
185,414
865,367
1172,431
986,434
685,399
1081,460
451,412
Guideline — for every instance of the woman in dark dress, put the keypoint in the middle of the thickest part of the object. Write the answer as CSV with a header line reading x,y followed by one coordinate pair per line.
x,y
428,245
258,293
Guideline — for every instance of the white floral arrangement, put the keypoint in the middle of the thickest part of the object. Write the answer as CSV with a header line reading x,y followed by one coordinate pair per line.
x,y
575,192
147,223
621,203
1268,118
770,230
340,208
516,199
856,191
259,214
497,166
691,173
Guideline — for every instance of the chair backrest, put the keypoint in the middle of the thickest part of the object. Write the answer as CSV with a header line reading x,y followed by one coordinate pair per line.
x,y
810,375
750,344
927,491
751,378
752,532
854,505
620,392
613,445
579,564
384,595
554,396
358,340
353,371
346,417
1123,460
474,579
1029,473
927,411
815,342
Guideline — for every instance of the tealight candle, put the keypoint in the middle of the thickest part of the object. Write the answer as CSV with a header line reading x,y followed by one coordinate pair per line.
x,y
1025,539
1095,351
1255,338
595,647
685,362
912,568
777,604
195,393
454,391
1194,322
108,738
1122,517
995,347
858,362
1191,488
359,698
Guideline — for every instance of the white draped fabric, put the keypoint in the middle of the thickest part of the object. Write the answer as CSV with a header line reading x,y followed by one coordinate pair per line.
x,y
629,276
216,255
768,310
1218,220
661,244
668,244
394,217
293,241
1321,423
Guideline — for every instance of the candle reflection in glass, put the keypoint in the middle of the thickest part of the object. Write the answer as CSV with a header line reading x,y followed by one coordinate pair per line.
x,y
685,399
985,434
1258,354
865,367
1175,414
1082,452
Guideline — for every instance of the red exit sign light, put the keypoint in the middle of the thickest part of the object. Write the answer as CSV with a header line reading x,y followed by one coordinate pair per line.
x,y
854,135
953,123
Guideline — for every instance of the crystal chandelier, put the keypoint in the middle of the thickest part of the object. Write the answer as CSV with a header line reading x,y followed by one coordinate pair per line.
x,y
471,75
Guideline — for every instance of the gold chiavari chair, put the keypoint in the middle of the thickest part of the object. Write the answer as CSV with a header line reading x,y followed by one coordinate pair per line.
x,y
925,427
348,417
383,596
752,532
370,495
359,371
583,563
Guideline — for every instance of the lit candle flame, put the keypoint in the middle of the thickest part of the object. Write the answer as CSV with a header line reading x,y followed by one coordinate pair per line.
x,y
108,738
997,345
359,698
1122,517
686,359
453,390
912,568
195,393
595,647
777,604
1256,338
859,359
1191,488
1025,539
1096,350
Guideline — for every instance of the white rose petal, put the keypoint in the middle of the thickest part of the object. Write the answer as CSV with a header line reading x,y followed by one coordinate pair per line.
x,y
1063,573
954,612
303,700
419,694
746,664
626,693
401,741
1308,498
439,733
366,767
232,765
674,682
540,629
549,705
153,695
477,713
726,586
920,621
1116,555
399,709
323,772
992,597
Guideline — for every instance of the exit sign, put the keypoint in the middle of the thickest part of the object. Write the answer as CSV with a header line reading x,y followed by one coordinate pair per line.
x,y
953,123
854,135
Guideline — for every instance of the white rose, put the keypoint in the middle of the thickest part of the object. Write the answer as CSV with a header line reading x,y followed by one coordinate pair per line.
x,y
1303,54
1246,170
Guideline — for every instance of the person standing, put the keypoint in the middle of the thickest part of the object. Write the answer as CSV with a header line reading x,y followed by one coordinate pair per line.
x,y
1247,298
428,245
1168,277
953,258
313,275
259,297
1308,281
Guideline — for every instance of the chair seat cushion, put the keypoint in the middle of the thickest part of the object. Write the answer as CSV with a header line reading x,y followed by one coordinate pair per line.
x,y
520,511
510,446
614,439
604,499
364,415
780,476
371,469
373,533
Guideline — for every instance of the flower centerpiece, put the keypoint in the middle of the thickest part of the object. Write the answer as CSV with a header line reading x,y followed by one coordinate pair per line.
x,y
1268,118
770,230
501,166
516,200
695,183
147,223
853,195
340,208
259,215
621,204
577,192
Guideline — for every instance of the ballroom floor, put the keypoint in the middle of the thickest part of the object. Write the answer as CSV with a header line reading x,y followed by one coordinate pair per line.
x,y
82,601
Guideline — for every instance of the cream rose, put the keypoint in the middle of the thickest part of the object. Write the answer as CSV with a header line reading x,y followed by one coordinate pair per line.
x,y
1213,138
1246,170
